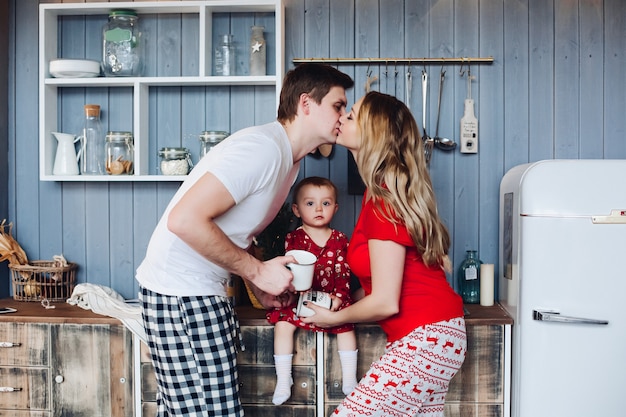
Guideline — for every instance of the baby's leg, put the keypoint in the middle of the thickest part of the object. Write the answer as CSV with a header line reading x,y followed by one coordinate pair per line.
x,y
283,355
346,343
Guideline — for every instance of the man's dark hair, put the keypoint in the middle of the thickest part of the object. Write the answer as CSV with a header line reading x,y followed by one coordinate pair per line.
x,y
316,80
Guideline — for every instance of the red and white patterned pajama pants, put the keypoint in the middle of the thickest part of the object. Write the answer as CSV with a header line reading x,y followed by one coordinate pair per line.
x,y
411,378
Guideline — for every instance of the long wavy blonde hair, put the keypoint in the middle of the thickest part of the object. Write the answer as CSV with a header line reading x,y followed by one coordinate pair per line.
x,y
392,165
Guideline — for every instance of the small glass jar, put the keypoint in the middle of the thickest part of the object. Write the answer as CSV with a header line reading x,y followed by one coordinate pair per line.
x,y
210,138
175,161
122,45
120,152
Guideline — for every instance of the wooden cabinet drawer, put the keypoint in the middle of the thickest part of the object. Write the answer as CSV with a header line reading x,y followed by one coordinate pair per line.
x,y
92,370
468,409
32,388
370,341
257,385
13,413
259,346
481,378
24,344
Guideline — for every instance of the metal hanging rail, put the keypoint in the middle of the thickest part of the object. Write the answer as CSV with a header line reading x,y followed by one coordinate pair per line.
x,y
461,60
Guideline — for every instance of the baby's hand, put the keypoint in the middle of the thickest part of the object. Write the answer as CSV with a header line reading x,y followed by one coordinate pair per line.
x,y
336,302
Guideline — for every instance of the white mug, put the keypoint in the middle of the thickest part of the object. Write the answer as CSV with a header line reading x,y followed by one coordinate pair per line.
x,y
302,270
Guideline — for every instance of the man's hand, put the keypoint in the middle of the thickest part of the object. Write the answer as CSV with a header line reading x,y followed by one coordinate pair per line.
x,y
273,277
269,301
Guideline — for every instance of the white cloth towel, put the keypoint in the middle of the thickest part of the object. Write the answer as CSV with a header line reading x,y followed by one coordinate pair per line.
x,y
104,300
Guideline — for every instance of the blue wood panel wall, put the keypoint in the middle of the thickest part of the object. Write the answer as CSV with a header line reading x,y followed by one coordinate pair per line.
x,y
4,128
555,90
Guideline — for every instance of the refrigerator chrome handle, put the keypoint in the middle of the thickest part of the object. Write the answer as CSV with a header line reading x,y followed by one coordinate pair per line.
x,y
555,316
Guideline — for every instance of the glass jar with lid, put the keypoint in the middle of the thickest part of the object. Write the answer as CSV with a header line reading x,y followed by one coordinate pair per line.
x,y
210,138
175,161
122,45
120,152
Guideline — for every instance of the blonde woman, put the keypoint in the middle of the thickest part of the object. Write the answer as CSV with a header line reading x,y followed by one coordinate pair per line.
x,y
399,252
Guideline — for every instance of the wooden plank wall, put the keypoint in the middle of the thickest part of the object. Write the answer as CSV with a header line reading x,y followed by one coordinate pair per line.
x,y
555,90
4,128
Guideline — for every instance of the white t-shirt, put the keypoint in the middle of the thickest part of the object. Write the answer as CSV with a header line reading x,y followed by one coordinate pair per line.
x,y
256,167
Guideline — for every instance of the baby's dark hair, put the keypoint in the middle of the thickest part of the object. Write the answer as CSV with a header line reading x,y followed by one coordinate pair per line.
x,y
316,181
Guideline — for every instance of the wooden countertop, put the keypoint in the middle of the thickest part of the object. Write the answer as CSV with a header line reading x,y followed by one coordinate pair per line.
x,y
248,315
495,314
31,311
475,315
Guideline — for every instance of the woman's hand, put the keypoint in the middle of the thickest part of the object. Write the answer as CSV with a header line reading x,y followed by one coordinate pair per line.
x,y
323,317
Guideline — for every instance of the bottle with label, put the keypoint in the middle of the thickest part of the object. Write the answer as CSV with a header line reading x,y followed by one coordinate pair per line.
x,y
257,51
469,278
469,122
224,57
92,143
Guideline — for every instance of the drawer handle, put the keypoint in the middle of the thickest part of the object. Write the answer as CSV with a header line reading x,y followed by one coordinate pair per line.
x,y
9,389
9,344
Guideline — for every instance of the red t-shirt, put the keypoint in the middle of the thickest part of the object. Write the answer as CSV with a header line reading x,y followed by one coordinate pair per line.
x,y
426,296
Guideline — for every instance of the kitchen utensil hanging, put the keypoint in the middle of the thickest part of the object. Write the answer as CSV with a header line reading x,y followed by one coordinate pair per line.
x,y
469,122
444,144
408,87
428,141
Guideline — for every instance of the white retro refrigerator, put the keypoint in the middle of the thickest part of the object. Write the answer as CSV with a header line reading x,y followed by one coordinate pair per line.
x,y
563,280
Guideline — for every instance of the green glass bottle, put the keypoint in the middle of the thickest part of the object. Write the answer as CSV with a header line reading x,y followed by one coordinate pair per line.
x,y
469,278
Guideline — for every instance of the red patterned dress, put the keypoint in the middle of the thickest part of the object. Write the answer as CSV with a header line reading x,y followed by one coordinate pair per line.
x,y
332,275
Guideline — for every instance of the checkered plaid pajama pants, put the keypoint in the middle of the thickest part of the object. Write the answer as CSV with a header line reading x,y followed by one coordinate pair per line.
x,y
411,378
192,344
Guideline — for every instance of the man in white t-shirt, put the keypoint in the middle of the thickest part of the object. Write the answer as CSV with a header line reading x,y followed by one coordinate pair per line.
x,y
231,195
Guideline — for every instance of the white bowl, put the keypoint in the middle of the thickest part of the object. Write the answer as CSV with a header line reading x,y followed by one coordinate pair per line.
x,y
74,68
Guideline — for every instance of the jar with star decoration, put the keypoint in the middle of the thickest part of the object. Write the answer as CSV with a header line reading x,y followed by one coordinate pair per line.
x,y
257,51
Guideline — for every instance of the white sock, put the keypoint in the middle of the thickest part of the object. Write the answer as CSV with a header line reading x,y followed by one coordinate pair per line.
x,y
348,370
283,379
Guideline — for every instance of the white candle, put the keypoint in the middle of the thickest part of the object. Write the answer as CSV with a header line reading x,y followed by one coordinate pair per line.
x,y
486,285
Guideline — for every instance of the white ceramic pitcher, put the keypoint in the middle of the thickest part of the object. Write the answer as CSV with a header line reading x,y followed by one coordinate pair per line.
x,y
66,159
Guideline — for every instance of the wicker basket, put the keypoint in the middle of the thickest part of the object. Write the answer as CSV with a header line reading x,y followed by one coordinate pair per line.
x,y
43,280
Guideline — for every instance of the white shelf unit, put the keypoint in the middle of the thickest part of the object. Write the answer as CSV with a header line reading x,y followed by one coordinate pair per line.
x,y
203,10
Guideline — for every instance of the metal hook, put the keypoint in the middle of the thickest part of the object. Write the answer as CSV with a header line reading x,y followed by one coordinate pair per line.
x,y
461,72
